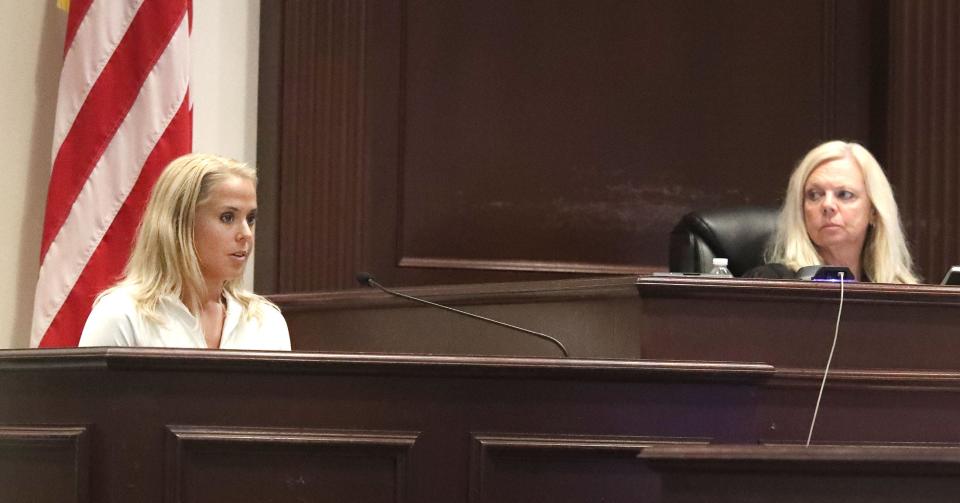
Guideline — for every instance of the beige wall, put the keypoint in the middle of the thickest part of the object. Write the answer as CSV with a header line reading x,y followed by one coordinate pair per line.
x,y
224,90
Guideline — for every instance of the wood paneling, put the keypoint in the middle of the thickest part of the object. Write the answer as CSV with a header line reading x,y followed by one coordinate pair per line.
x,y
791,323
274,426
321,202
270,464
925,128
594,317
465,141
517,468
44,464
824,474
580,131
254,426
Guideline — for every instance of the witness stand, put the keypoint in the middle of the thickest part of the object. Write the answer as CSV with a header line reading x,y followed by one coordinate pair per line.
x,y
675,387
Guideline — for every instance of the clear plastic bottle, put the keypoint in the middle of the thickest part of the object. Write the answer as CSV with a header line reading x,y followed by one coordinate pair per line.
x,y
720,268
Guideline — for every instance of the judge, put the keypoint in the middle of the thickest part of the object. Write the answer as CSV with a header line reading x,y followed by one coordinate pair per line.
x,y
839,210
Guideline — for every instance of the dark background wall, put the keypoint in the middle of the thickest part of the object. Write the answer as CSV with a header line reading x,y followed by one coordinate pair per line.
x,y
457,141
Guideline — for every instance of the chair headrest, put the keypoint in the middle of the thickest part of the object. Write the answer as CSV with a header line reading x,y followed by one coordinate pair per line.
x,y
739,234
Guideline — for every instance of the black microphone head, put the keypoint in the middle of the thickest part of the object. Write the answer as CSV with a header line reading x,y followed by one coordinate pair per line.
x,y
825,273
364,278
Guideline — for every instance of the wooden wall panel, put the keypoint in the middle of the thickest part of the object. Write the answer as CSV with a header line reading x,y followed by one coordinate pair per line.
x,y
924,128
44,464
232,464
308,427
579,133
444,142
793,473
320,193
544,468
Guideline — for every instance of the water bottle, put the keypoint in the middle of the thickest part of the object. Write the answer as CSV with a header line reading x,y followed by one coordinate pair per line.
x,y
720,268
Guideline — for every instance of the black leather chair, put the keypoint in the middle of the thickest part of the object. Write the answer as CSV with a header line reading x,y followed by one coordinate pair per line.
x,y
738,234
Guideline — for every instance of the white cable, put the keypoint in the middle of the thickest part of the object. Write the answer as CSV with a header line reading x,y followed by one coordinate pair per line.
x,y
823,384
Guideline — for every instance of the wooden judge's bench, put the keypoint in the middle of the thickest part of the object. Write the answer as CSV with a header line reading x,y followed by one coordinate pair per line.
x,y
676,390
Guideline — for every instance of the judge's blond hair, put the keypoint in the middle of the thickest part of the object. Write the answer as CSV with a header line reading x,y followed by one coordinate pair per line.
x,y
885,257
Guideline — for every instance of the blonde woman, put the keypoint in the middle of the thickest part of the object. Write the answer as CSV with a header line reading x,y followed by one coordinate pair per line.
x,y
839,210
182,285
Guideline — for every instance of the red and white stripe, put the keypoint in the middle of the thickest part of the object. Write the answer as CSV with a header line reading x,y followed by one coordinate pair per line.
x,y
123,113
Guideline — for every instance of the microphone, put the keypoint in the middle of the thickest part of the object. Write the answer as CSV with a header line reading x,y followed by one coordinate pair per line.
x,y
825,273
366,279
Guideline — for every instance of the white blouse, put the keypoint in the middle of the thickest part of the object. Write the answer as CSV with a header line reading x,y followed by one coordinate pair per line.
x,y
114,321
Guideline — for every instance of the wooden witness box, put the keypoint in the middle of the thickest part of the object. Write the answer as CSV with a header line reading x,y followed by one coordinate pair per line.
x,y
674,386
118,425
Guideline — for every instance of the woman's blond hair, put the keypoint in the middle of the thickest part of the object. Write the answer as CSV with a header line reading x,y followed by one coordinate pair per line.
x,y
885,257
164,258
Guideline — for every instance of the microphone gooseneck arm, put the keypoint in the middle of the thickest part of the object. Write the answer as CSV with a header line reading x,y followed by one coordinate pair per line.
x,y
367,280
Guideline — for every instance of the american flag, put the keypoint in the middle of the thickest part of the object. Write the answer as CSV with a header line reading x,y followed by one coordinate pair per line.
x,y
123,113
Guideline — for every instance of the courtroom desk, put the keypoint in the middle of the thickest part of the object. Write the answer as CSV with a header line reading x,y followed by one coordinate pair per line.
x,y
815,474
790,324
895,376
150,425
879,407
594,318
895,373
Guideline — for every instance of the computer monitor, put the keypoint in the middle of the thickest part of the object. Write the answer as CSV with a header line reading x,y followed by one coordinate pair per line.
x,y
952,277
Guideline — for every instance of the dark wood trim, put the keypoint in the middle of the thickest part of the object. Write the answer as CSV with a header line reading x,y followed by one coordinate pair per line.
x,y
525,265
917,380
841,458
376,364
181,435
486,442
43,434
269,130
470,294
736,288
